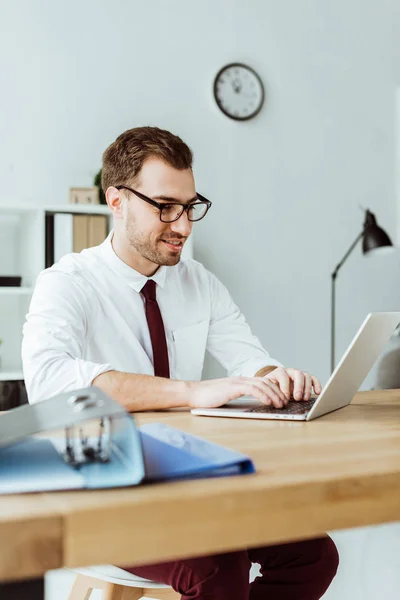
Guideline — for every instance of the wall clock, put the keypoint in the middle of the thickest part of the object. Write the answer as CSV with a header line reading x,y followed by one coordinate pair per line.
x,y
238,91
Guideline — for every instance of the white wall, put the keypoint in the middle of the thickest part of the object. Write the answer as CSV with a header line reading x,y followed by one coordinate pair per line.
x,y
286,186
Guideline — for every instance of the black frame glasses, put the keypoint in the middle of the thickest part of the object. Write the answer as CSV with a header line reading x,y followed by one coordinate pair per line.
x,y
201,201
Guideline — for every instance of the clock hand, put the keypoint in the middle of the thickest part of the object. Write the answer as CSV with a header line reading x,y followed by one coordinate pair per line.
x,y
236,86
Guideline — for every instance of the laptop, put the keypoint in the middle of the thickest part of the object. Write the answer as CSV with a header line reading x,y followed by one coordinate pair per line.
x,y
338,392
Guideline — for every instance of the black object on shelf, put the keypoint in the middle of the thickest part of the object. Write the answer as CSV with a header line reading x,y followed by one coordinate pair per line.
x,y
49,243
12,394
10,281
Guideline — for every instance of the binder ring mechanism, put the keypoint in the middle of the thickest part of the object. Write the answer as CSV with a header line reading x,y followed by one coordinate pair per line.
x,y
79,448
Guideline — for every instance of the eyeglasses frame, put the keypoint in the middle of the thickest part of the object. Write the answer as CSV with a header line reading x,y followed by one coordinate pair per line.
x,y
159,205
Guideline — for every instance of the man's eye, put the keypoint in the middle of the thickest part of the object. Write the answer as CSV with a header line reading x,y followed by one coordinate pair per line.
x,y
169,208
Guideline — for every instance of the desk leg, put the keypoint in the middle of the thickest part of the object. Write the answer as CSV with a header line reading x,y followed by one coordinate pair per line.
x,y
21,590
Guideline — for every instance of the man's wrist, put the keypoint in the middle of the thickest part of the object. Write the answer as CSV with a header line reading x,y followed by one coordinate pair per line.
x,y
137,392
265,371
182,391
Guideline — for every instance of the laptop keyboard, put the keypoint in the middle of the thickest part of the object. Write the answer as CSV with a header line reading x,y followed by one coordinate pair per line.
x,y
293,407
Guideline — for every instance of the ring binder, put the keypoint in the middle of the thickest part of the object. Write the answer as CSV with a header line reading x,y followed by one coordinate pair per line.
x,y
84,401
78,449
100,447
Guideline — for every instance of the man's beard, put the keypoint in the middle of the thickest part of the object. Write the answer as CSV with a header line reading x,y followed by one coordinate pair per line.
x,y
148,250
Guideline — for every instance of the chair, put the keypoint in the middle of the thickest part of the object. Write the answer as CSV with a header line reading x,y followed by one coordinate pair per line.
x,y
117,584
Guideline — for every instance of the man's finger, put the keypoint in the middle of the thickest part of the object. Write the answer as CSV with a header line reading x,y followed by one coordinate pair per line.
x,y
281,398
316,385
283,380
298,384
273,391
307,386
274,385
266,392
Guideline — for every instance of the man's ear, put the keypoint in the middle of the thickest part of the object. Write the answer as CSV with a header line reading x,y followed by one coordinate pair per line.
x,y
113,197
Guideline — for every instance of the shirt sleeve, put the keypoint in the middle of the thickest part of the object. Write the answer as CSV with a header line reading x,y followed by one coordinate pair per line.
x,y
230,340
59,321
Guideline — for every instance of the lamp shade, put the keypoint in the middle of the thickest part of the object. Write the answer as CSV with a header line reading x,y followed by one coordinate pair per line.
x,y
373,237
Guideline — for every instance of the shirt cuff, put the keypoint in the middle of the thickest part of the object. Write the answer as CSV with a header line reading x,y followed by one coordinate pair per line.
x,y
87,371
251,368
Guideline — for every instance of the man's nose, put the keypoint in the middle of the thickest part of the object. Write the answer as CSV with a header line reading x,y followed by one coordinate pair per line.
x,y
182,226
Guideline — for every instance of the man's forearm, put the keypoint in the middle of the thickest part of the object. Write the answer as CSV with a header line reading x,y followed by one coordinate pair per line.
x,y
143,392
264,371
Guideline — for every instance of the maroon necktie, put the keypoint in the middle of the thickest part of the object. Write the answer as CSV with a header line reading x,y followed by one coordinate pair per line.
x,y
157,332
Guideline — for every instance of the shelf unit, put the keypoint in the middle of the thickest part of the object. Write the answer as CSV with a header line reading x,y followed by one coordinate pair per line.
x,y
11,375
22,231
16,291
79,209
88,209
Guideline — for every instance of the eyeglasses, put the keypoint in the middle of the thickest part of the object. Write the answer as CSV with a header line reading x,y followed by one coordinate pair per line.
x,y
171,211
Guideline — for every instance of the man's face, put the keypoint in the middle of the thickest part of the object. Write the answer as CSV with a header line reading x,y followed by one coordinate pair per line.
x,y
160,243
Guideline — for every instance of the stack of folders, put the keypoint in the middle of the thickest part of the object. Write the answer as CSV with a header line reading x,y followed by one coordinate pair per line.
x,y
96,444
66,233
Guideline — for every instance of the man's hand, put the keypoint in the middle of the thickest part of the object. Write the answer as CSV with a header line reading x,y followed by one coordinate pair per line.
x,y
294,383
216,392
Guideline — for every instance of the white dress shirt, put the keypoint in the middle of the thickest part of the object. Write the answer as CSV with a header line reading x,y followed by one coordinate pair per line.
x,y
87,316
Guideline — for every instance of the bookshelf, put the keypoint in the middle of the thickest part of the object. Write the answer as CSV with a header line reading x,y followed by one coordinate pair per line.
x,y
23,236
88,209
11,375
16,291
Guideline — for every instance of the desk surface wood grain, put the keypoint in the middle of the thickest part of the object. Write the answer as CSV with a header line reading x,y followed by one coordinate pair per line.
x,y
339,471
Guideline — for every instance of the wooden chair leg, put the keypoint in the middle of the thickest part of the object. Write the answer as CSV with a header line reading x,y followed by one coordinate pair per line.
x,y
131,593
84,585
111,591
81,589
161,594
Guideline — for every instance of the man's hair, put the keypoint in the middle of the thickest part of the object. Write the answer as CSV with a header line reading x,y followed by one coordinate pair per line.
x,y
124,158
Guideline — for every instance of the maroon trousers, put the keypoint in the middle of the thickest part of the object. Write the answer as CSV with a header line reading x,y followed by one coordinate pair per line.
x,y
296,571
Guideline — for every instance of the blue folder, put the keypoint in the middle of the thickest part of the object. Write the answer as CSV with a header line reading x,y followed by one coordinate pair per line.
x,y
118,455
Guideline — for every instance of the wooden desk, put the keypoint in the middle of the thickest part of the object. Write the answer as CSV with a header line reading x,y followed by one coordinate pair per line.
x,y
339,471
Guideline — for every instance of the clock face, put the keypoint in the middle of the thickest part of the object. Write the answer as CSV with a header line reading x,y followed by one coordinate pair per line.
x,y
238,91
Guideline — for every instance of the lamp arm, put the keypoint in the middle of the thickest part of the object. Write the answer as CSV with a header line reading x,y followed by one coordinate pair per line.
x,y
333,295
349,251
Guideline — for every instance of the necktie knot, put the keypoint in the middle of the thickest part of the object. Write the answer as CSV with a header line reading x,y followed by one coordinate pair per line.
x,y
149,290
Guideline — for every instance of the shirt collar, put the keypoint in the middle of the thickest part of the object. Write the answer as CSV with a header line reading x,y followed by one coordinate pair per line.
x,y
133,278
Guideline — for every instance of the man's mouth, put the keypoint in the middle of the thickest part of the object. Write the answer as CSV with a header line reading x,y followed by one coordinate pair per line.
x,y
174,245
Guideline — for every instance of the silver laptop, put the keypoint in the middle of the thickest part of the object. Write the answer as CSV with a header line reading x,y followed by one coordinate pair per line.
x,y
339,391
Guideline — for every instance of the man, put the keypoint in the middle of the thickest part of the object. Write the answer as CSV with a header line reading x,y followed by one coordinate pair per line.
x,y
130,318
